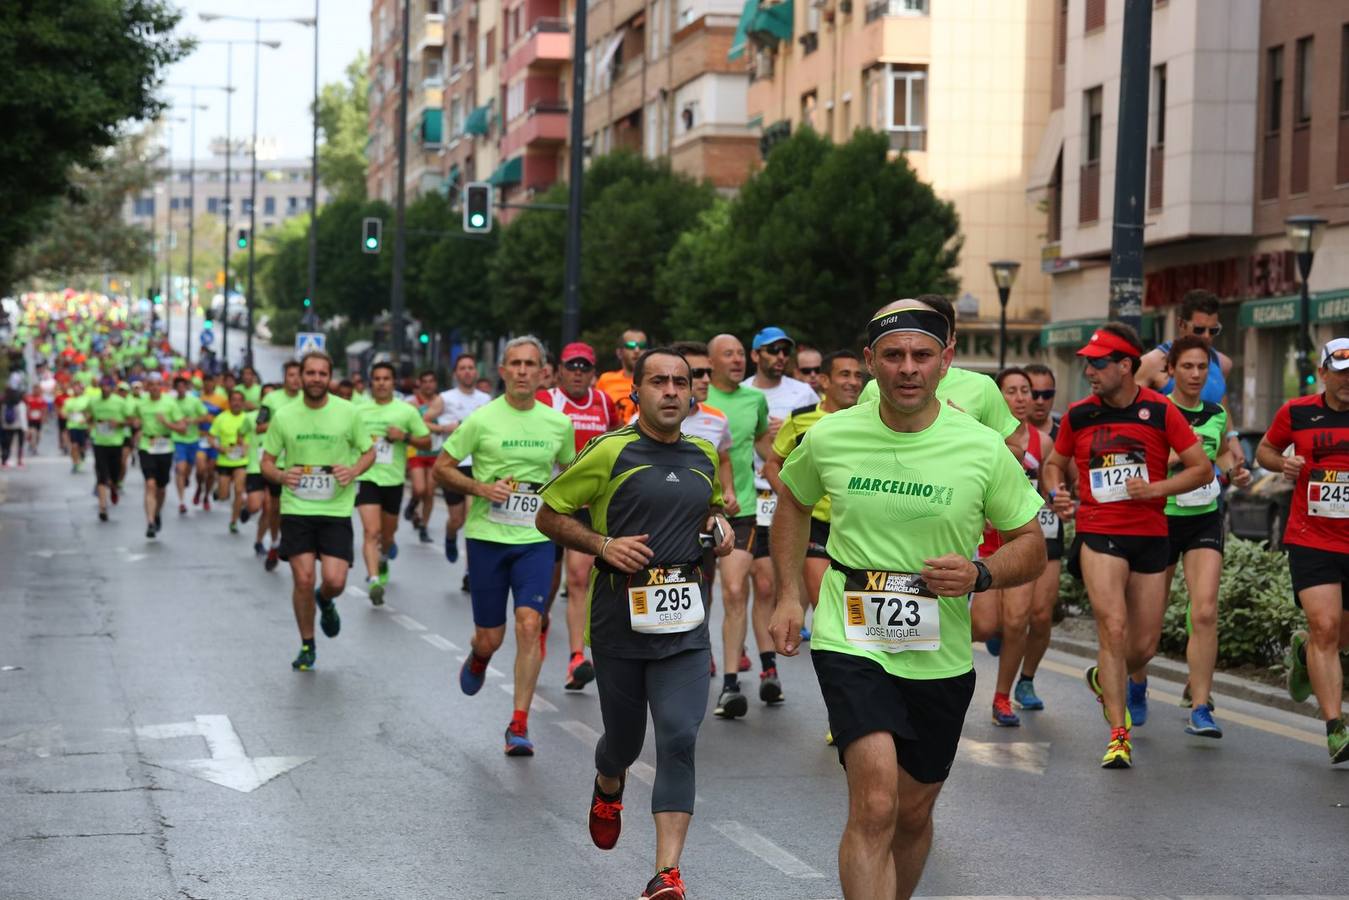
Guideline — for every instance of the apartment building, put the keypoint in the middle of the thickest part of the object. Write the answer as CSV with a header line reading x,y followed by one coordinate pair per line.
x,y
961,87
426,166
1244,130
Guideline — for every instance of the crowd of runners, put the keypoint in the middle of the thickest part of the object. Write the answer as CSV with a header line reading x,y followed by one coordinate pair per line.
x,y
883,507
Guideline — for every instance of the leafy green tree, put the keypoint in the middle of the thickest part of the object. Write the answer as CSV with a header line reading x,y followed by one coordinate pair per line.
x,y
75,72
344,127
814,242
634,210
351,283
448,285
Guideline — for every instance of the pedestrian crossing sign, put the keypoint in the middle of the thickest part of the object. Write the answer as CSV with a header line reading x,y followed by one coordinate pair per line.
x,y
306,341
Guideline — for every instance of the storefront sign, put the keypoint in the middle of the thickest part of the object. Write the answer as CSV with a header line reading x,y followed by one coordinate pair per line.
x,y
1276,312
1069,334
1260,275
1333,306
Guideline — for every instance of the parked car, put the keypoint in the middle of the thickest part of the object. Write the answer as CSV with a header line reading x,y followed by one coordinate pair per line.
x,y
1259,511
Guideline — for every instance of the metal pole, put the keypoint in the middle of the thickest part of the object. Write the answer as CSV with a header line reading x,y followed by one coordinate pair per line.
x,y
1305,369
1003,294
400,236
314,178
229,150
154,260
191,225
571,301
1131,148
168,243
253,193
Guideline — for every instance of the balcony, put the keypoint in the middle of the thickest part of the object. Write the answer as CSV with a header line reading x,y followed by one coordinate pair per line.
x,y
879,9
543,124
433,34
545,46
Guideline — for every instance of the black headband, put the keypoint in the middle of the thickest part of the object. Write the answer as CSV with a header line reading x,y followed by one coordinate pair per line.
x,y
924,321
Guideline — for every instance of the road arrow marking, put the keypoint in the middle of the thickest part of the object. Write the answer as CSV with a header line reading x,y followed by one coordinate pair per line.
x,y
228,766
1023,756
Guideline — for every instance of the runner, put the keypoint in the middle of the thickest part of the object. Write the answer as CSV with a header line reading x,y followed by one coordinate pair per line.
x,y
807,366
13,421
649,492
36,408
77,426
257,497
1317,535
423,500
153,413
1121,438
618,385
910,483
1195,528
109,413
393,425
215,400
188,413
231,436
252,388
325,449
746,411
592,413
458,402
514,442
291,392
1042,392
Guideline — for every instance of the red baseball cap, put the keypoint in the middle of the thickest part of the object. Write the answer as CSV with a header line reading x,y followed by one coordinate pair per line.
x,y
1104,343
578,350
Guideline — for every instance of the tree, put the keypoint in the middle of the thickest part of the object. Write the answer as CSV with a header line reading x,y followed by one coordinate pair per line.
x,y
446,277
634,210
814,242
76,70
345,127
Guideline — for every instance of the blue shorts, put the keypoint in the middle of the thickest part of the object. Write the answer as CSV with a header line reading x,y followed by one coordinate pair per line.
x,y
495,569
210,452
183,452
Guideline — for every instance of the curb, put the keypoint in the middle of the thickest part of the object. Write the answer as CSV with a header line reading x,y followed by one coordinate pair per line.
x,y
1170,670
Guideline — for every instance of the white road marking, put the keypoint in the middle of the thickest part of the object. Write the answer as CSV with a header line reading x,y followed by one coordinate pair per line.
x,y
581,731
538,704
352,589
408,622
438,642
748,839
1023,756
228,766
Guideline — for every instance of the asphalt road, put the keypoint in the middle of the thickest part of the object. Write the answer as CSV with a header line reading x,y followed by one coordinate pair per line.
x,y
146,699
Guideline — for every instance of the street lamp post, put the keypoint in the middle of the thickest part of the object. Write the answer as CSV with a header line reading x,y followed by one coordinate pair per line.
x,y
398,332
1004,275
192,203
1304,237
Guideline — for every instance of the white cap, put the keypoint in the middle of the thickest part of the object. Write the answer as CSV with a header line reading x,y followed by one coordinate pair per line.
x,y
1335,354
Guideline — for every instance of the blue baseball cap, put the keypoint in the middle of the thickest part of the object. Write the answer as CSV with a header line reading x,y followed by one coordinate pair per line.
x,y
770,335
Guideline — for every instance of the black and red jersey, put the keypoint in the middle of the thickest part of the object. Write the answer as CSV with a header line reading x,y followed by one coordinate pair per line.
x,y
1113,444
1319,514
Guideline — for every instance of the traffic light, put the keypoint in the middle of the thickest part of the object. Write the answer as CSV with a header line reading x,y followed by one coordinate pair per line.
x,y
307,303
208,324
159,299
477,207
373,230
424,338
243,239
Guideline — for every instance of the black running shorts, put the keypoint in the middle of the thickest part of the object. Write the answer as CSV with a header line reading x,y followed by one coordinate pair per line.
x,y
1145,555
389,498
1311,568
1202,532
157,466
321,535
451,498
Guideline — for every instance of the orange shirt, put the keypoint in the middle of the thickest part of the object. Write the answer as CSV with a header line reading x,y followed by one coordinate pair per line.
x,y
618,385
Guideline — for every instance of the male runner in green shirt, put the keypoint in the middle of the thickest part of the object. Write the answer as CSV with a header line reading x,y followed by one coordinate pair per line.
x,y
270,405
109,413
188,413
153,413
231,435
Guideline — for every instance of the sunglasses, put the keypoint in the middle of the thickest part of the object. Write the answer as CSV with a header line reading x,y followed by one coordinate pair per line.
x,y
1100,362
635,345
808,370
776,349
700,373
577,365
1043,395
1335,356
1211,330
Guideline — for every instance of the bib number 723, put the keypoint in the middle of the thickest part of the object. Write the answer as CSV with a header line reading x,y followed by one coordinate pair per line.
x,y
895,611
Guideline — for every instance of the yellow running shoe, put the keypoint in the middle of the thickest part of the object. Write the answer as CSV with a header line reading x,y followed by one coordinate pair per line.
x,y
829,737
1095,685
1119,753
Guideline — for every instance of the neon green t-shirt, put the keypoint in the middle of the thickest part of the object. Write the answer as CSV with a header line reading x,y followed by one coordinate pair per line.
x,y
790,435
107,413
509,443
191,408
233,431
156,437
1209,421
972,392
254,451
318,439
76,411
252,395
897,500
746,410
390,466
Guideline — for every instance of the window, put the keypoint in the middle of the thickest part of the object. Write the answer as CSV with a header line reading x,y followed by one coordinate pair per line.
x,y
1342,150
433,69
808,103
213,205
248,206
269,206
292,205
1274,90
1159,105
1095,17
145,206
456,117
1092,106
433,7
688,117
1061,35
173,203
908,106
456,51
490,49
515,100
1302,82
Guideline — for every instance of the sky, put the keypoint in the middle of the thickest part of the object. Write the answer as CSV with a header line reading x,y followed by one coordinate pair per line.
x,y
286,74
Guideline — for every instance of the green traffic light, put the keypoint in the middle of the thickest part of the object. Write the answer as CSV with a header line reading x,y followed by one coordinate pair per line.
x,y
477,220
306,302
372,243
208,324
425,338
243,243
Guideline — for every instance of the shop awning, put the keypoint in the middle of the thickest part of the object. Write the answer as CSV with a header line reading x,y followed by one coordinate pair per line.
x,y
509,172
773,23
479,120
1271,312
433,126
742,30
1051,143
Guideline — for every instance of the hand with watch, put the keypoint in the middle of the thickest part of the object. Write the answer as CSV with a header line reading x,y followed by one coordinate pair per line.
x,y
953,575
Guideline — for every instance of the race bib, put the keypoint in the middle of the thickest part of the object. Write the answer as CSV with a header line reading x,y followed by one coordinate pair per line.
x,y
383,451
1049,522
160,445
316,483
1200,496
518,510
76,420
1328,493
1109,473
105,429
764,508
203,444
237,451
437,441
891,612
669,602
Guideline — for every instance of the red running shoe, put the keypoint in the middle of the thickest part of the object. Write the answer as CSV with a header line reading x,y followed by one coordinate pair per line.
x,y
606,816
273,557
667,885
745,664
206,503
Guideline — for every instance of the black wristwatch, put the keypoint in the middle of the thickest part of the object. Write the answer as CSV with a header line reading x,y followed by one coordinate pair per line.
x,y
984,580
